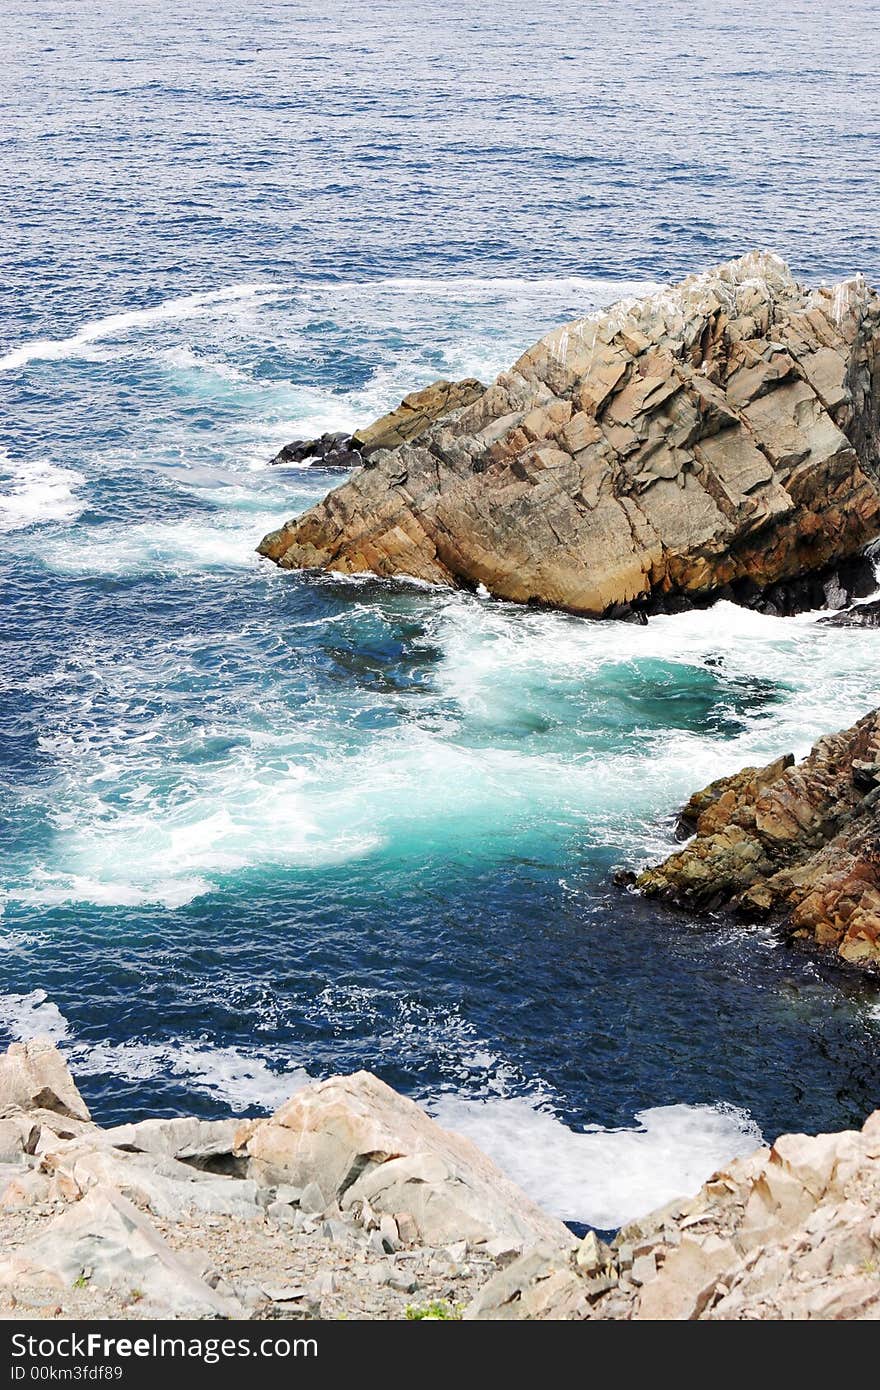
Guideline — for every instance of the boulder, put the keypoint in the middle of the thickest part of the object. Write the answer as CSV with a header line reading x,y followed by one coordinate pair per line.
x,y
361,1144
793,841
164,1186
34,1076
106,1241
203,1143
717,438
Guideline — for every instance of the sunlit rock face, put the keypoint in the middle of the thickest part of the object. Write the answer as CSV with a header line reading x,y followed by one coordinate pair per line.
x,y
723,431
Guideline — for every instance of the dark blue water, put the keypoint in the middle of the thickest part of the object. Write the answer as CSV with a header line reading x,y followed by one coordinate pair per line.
x,y
257,827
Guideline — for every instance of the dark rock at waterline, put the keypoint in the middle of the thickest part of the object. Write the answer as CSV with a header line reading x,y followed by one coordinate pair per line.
x,y
833,587
406,423
717,439
330,451
864,615
797,842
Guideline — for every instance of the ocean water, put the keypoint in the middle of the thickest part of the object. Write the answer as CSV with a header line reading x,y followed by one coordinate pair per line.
x,y
259,827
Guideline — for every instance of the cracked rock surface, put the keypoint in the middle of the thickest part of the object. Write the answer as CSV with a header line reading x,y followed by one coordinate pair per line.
x,y
721,433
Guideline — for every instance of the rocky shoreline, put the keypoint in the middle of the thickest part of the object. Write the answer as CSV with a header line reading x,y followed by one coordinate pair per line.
x,y
350,1202
795,843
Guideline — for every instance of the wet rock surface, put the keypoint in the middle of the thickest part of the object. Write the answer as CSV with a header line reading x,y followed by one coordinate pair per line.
x,y
796,842
716,439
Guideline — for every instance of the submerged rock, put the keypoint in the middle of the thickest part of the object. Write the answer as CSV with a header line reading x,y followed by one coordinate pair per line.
x,y
717,438
328,451
795,841
861,615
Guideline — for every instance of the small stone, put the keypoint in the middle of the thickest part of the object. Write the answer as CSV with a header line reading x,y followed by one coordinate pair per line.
x,y
401,1281
282,1213
337,1231
389,1233
503,1251
592,1254
326,1283
407,1228
376,1244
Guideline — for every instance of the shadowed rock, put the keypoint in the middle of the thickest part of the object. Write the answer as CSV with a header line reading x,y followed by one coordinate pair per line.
x,y
719,433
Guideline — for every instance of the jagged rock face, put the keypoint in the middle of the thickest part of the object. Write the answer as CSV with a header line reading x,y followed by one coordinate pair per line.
x,y
408,421
721,431
33,1076
797,841
358,1142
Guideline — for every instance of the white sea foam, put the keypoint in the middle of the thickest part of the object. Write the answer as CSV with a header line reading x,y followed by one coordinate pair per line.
x,y
131,890
24,1016
242,1080
185,359
290,792
119,325
603,1177
176,547
34,492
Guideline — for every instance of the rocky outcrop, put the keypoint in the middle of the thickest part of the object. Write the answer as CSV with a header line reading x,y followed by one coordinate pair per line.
x,y
349,1200
798,842
405,424
860,615
355,1141
788,1232
334,451
718,438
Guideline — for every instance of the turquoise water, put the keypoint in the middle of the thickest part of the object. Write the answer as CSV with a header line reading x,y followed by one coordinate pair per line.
x,y
259,826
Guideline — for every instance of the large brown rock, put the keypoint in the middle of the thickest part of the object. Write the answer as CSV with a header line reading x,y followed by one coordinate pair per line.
x,y
357,1141
799,841
723,431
